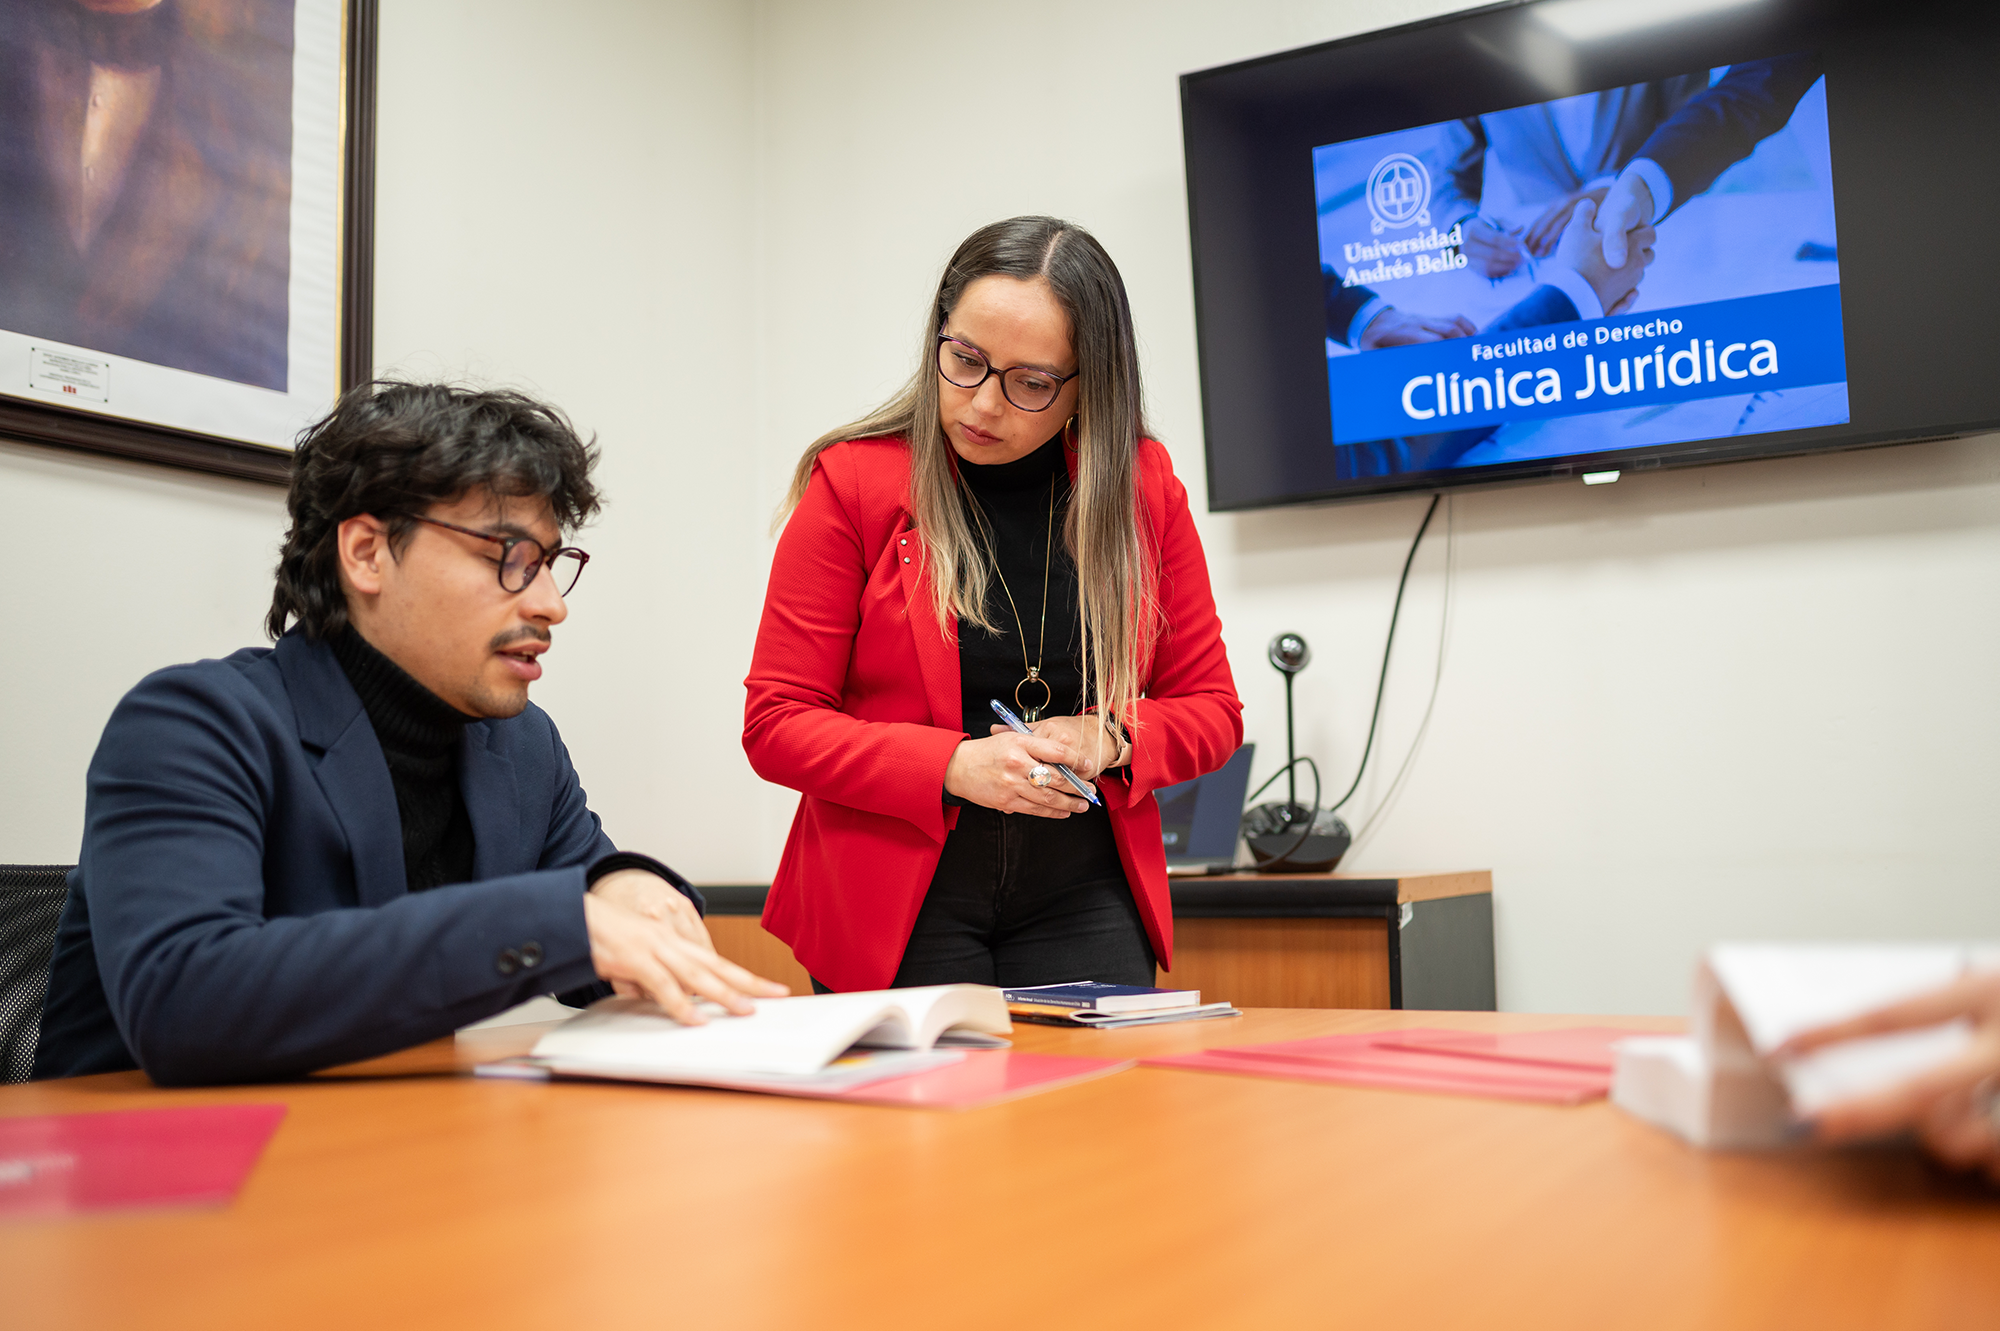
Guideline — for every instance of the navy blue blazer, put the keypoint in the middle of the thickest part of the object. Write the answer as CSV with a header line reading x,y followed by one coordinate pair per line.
x,y
238,911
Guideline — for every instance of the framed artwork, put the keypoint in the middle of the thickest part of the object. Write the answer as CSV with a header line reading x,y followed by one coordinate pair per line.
x,y
186,215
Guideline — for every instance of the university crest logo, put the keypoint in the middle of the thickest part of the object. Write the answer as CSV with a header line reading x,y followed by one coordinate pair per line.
x,y
1399,193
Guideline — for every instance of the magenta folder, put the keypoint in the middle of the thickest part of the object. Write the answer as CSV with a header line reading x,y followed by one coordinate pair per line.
x,y
1585,1048
1553,1067
59,1164
982,1078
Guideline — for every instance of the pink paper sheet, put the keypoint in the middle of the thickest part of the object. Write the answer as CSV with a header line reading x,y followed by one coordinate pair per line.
x,y
1585,1048
59,1164
981,1078
1396,1061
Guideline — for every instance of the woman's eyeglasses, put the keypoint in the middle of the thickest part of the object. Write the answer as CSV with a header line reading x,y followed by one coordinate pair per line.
x,y
1026,387
522,558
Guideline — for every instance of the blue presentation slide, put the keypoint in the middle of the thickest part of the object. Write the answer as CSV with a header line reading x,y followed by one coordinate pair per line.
x,y
1475,314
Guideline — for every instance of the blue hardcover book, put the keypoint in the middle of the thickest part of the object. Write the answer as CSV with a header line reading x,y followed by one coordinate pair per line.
x,y
1091,996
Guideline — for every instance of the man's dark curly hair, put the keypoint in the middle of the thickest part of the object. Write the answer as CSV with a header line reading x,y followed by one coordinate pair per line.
x,y
392,450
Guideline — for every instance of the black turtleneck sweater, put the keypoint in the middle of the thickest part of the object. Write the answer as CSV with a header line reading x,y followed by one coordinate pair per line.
x,y
1011,503
420,735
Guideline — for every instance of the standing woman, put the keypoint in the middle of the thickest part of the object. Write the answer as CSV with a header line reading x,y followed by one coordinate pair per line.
x,y
1001,529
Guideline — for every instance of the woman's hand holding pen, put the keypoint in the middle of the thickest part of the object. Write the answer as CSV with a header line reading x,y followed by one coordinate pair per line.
x,y
1096,747
998,773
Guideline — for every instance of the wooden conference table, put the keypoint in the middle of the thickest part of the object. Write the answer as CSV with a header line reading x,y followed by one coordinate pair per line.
x,y
1153,1198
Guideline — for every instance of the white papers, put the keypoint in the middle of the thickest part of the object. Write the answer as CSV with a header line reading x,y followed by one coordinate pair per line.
x,y
1778,990
1669,1081
1105,1021
540,1008
1861,1067
1721,1087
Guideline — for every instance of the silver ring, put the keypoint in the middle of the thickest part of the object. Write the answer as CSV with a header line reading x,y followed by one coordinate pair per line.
x,y
1040,775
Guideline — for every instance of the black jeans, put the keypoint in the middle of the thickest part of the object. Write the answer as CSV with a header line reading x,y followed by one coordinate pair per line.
x,y
1019,900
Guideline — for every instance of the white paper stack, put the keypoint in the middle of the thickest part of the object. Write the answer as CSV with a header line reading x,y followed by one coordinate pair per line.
x,y
1719,1086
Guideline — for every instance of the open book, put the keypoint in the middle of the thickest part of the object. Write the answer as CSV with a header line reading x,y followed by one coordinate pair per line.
x,y
1720,1087
820,1041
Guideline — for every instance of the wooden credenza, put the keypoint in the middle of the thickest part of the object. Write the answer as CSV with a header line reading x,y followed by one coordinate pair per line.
x,y
1420,941
1415,940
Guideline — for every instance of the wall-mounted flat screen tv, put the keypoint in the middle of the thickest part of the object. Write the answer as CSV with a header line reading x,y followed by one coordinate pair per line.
x,y
1571,236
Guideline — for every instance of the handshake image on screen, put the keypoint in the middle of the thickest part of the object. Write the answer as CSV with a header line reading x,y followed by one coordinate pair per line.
x,y
1696,195
1583,251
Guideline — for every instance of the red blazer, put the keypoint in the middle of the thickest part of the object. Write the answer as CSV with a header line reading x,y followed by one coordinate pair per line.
x,y
854,701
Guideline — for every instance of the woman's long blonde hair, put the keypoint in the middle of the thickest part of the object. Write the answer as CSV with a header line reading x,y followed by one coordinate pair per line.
x,y
1105,535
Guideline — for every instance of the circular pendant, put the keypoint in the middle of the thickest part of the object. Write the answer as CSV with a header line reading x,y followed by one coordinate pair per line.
x,y
1032,714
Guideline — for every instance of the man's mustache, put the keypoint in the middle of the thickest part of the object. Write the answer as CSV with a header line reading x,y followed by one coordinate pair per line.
x,y
526,633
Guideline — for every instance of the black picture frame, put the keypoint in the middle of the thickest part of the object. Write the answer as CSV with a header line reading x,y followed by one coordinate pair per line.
x,y
56,426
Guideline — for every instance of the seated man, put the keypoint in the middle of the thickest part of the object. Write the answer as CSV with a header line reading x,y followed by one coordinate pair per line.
x,y
365,837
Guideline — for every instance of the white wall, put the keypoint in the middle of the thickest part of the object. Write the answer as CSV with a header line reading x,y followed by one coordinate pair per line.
x,y
564,204
1734,701
116,569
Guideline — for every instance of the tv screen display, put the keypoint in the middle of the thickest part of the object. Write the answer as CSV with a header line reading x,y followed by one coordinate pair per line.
x,y
1717,242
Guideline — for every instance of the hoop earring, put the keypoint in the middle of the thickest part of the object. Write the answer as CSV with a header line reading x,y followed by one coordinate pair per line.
x,y
1069,434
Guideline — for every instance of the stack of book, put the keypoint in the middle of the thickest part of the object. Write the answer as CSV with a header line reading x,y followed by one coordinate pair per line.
x,y
1106,1006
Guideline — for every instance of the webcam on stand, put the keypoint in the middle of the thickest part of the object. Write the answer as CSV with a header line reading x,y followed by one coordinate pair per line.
x,y
1290,837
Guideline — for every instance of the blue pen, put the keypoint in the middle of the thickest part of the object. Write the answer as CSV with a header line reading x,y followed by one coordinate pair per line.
x,y
1021,727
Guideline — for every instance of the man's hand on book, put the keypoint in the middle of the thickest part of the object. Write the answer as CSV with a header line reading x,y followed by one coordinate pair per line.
x,y
647,940
1955,1108
657,899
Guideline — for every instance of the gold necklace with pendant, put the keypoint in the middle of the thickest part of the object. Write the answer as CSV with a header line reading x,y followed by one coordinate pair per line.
x,y
1034,676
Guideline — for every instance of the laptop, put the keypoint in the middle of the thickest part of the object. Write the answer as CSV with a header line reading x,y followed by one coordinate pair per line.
x,y
1199,818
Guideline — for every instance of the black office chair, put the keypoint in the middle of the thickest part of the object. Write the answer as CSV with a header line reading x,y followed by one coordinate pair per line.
x,y
31,901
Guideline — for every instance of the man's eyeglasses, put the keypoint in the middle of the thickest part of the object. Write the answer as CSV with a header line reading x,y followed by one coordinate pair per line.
x,y
1026,387
522,558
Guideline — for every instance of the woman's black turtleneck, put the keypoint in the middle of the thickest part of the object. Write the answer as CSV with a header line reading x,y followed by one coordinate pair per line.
x,y
1009,503
420,734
